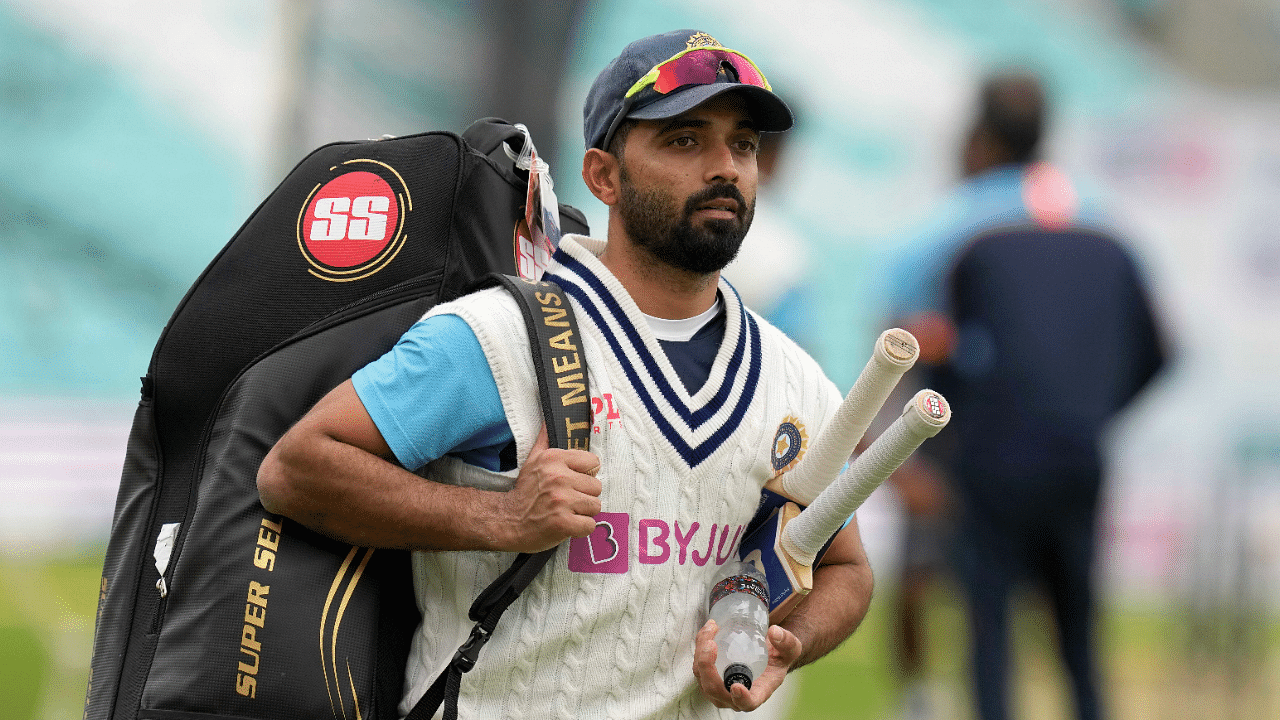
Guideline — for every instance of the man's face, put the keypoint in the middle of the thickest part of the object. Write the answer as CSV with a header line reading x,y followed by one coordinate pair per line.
x,y
688,185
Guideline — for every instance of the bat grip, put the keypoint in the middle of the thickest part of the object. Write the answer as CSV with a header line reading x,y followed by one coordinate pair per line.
x,y
923,417
895,352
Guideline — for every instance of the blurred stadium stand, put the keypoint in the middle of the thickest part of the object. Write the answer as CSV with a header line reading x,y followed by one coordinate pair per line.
x,y
135,138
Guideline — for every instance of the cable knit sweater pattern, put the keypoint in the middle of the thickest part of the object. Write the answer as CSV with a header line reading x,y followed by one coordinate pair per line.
x,y
607,629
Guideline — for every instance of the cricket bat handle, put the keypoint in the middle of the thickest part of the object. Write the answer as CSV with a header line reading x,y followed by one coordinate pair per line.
x,y
895,352
921,419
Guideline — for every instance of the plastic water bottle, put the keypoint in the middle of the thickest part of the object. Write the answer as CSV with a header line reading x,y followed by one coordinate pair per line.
x,y
739,603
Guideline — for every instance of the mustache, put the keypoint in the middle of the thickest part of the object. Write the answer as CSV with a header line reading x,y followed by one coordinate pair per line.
x,y
715,192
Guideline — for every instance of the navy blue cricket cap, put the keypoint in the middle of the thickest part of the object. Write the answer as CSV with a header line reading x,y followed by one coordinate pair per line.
x,y
607,103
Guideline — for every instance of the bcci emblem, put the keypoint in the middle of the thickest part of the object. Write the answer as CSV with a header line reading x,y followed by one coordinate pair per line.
x,y
789,444
701,39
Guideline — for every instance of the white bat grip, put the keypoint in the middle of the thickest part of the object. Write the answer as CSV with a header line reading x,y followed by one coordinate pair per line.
x,y
895,352
923,417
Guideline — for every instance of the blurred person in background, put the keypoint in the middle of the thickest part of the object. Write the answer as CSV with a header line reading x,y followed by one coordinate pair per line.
x,y
928,514
771,270
1035,323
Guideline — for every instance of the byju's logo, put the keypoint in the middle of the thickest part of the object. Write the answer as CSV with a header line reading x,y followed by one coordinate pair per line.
x,y
604,551
607,549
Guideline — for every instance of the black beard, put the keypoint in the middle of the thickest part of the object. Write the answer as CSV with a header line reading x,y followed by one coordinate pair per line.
x,y
647,216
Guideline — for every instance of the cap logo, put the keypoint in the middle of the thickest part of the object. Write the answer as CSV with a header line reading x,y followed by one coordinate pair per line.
x,y
701,39
352,224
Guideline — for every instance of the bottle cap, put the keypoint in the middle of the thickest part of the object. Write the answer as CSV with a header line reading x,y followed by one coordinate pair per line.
x,y
737,673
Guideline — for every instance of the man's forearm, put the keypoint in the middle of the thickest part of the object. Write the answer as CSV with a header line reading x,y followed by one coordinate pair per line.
x,y
830,613
357,497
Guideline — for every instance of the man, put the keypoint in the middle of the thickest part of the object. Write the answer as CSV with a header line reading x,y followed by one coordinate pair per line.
x,y
691,390
1038,328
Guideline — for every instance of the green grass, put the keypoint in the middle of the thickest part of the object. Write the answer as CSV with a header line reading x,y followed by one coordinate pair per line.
x,y
1157,665
857,681
47,606
853,681
24,664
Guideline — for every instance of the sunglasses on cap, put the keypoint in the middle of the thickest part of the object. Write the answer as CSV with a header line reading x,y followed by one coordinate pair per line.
x,y
691,66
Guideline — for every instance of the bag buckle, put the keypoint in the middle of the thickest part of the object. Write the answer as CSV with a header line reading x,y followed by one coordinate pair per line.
x,y
466,657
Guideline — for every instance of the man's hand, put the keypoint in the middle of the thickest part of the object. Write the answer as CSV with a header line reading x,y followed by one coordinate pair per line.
x,y
784,650
555,497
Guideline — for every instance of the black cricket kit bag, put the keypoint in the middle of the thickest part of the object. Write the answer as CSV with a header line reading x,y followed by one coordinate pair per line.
x,y
210,607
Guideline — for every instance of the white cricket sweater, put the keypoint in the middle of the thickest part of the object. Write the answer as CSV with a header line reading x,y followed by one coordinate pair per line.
x,y
607,629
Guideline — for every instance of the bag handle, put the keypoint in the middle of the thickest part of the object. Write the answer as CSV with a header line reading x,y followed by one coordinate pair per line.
x,y
552,327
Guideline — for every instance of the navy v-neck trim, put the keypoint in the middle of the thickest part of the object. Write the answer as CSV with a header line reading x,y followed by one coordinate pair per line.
x,y
583,285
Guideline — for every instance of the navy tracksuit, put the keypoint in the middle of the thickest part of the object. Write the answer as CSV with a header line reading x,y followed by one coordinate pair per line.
x,y
1055,335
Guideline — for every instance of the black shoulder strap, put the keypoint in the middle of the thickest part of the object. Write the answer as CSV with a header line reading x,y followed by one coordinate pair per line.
x,y
557,355
566,408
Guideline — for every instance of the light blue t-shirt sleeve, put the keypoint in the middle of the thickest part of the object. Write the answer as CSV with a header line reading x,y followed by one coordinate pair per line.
x,y
433,394
919,269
